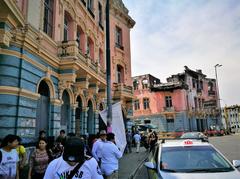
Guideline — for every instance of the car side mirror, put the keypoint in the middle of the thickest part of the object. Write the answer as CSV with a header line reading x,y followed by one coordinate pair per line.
x,y
236,163
150,165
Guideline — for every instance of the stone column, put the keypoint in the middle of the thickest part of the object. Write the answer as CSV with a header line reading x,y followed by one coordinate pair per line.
x,y
96,121
72,123
84,119
55,123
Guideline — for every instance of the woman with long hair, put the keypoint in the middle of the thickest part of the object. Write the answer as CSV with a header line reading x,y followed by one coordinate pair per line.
x,y
39,160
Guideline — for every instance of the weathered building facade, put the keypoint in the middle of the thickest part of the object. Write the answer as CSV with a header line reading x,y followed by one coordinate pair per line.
x,y
120,26
231,118
188,101
52,64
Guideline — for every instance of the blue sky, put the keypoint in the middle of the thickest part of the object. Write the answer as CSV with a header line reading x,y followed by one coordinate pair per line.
x,y
170,34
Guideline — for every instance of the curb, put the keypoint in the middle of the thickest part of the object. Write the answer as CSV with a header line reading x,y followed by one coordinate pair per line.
x,y
132,175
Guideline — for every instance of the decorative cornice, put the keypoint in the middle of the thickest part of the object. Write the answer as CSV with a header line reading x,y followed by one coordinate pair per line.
x,y
19,92
118,8
26,58
15,17
56,102
5,37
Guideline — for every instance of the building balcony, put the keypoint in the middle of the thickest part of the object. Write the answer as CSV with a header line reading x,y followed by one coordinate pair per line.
x,y
122,91
70,54
211,93
199,90
169,109
119,46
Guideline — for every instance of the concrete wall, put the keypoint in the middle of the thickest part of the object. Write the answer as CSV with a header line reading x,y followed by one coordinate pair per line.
x,y
160,120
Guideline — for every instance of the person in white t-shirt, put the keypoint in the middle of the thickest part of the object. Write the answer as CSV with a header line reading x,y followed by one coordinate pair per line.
x,y
110,156
97,146
137,139
9,161
73,162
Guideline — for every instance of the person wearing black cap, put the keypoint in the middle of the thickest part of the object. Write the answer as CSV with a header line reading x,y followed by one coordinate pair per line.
x,y
73,164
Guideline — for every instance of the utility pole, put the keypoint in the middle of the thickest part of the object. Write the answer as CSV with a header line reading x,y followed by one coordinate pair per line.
x,y
108,70
217,90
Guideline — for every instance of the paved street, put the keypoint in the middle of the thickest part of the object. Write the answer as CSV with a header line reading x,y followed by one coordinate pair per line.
x,y
229,145
130,162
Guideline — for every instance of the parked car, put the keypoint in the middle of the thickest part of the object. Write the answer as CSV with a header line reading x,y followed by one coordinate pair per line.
x,y
235,128
194,135
179,132
215,130
142,128
189,158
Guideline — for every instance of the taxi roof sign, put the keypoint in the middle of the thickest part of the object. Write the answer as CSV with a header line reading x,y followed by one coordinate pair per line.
x,y
188,142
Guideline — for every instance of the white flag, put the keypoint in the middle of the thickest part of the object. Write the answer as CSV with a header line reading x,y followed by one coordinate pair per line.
x,y
118,127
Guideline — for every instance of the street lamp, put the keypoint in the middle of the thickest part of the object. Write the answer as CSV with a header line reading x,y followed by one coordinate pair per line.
x,y
217,87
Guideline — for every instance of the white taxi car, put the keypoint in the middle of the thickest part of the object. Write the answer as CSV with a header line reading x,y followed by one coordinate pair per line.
x,y
189,159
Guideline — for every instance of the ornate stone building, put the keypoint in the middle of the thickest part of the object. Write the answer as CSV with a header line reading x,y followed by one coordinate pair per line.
x,y
187,101
52,64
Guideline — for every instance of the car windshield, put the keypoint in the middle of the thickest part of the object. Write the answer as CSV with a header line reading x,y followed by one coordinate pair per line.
x,y
193,159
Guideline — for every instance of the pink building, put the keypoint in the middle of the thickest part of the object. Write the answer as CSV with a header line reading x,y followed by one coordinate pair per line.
x,y
120,26
186,102
52,58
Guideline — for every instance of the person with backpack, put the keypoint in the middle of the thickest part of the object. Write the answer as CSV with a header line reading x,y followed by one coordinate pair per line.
x,y
9,160
73,164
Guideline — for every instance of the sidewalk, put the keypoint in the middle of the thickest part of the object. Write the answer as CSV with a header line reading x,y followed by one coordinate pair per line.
x,y
130,162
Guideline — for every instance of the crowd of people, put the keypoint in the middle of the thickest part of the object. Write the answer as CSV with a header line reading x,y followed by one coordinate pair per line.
x,y
69,156
137,139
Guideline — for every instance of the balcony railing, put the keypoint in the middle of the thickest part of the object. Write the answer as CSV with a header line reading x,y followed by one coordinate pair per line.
x,y
70,49
199,90
119,46
169,109
122,88
211,93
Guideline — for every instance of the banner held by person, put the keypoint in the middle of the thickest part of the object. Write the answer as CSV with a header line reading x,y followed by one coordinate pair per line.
x,y
118,127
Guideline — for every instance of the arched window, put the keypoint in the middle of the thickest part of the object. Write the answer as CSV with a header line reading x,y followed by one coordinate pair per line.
x,y
65,111
68,27
48,17
90,48
42,115
210,86
80,39
120,74
90,5
78,117
90,118
101,60
145,103
135,84
145,83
